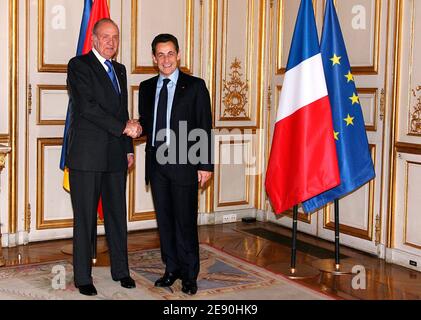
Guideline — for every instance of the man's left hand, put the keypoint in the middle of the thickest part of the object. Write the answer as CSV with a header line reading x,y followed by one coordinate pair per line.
x,y
130,160
203,177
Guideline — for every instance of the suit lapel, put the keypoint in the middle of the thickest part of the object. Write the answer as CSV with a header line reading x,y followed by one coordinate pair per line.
x,y
150,105
151,97
121,80
102,74
180,90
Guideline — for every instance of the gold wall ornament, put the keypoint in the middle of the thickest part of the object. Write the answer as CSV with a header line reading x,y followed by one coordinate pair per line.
x,y
4,150
28,214
2,161
29,102
415,127
236,90
377,230
382,104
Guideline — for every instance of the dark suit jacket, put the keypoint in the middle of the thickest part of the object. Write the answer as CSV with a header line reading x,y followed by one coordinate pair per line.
x,y
191,104
98,117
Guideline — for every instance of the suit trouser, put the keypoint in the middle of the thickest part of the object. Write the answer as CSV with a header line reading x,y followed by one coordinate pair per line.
x,y
85,189
176,213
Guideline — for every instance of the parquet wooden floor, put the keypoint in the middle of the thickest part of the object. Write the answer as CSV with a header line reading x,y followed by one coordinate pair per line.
x,y
383,280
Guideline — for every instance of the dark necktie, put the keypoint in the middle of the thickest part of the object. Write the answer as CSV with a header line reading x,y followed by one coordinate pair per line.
x,y
161,114
112,76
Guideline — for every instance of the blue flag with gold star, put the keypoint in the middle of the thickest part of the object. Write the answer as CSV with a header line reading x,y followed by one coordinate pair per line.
x,y
355,163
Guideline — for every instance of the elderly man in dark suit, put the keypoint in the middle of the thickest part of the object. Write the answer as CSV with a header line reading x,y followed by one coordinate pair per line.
x,y
172,107
99,153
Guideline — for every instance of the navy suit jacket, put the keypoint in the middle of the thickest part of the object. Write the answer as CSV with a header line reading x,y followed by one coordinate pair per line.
x,y
98,117
191,104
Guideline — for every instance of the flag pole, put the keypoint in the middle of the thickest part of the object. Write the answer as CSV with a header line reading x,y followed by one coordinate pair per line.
x,y
335,266
337,255
294,239
290,269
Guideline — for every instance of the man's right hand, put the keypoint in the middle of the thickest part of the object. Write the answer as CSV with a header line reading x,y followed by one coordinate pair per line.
x,y
133,129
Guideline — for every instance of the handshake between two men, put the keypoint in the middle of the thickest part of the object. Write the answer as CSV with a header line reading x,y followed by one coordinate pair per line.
x,y
133,129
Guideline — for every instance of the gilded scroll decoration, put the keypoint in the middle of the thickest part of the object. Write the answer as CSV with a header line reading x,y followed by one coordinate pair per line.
x,y
235,92
2,160
415,127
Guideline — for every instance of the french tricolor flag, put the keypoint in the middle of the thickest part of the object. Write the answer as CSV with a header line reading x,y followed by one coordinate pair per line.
x,y
303,161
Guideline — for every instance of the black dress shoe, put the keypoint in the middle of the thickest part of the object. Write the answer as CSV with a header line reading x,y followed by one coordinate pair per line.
x,y
128,283
167,280
189,287
87,290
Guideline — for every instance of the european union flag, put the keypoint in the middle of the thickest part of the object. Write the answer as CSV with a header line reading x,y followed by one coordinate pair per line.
x,y
355,163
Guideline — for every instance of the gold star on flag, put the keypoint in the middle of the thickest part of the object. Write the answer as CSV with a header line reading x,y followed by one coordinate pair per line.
x,y
335,59
349,120
336,135
354,99
349,76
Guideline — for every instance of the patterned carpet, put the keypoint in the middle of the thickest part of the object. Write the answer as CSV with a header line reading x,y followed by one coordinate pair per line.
x,y
222,277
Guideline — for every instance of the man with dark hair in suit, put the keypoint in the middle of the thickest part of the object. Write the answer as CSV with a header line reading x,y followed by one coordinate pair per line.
x,y
99,153
173,107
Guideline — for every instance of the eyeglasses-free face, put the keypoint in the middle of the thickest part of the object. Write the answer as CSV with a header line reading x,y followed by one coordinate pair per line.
x,y
166,58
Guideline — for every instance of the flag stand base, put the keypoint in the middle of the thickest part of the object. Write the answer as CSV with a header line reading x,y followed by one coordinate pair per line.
x,y
302,272
329,266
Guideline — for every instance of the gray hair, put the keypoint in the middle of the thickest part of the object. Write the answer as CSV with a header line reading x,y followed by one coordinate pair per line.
x,y
101,22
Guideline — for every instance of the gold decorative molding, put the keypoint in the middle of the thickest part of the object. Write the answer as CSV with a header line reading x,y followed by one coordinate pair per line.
x,y
50,67
384,101
42,66
13,113
378,230
253,50
382,104
404,147
213,34
29,98
405,225
374,68
366,234
188,50
41,222
133,90
245,201
4,138
3,153
2,161
235,93
394,129
40,88
280,27
415,114
28,217
132,215
262,61
374,93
